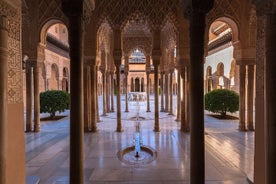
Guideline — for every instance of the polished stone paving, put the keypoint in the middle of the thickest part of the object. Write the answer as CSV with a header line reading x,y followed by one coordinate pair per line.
x,y
228,152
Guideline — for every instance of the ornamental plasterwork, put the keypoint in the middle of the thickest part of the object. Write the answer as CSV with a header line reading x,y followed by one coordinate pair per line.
x,y
118,11
14,53
104,36
131,43
225,8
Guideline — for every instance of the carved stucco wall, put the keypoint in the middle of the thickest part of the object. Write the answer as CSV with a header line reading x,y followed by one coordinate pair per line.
x,y
14,53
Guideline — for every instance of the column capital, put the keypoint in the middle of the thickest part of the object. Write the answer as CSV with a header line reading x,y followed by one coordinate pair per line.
x,y
3,22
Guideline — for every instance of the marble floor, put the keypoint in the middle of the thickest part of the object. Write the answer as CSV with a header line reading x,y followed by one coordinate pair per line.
x,y
228,152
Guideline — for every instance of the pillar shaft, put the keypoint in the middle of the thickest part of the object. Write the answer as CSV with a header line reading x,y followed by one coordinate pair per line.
x,y
171,94
104,93
259,158
156,100
29,98
86,102
97,94
184,127
3,97
94,97
112,92
162,91
148,92
166,93
270,77
126,86
250,94
197,29
74,10
178,116
118,77
36,98
242,98
108,92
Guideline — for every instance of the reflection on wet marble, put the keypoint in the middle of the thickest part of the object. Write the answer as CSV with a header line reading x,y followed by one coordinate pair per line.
x,y
229,153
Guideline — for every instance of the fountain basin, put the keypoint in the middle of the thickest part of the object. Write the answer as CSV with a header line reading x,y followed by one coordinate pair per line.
x,y
128,155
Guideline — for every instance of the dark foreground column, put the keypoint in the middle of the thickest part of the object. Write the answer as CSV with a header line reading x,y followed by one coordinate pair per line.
x,y
74,11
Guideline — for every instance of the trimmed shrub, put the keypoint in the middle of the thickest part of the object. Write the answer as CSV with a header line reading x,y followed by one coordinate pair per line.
x,y
222,101
53,101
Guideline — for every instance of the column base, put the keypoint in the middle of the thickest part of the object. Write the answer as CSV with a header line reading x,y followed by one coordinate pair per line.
x,y
156,129
177,120
185,130
86,130
94,130
104,114
126,111
242,128
170,113
250,127
119,130
148,111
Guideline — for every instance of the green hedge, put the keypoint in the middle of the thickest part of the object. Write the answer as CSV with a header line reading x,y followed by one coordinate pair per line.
x,y
222,101
53,101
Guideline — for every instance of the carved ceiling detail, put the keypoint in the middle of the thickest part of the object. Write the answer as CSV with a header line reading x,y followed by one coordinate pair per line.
x,y
49,9
225,8
132,43
118,11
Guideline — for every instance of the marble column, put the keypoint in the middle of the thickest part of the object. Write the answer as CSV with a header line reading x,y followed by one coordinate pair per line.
x,y
29,97
104,92
242,97
36,75
148,92
3,97
94,97
126,86
97,94
260,146
250,97
197,146
156,96
270,84
108,92
74,11
178,116
112,91
162,91
166,87
118,79
86,101
171,94
184,127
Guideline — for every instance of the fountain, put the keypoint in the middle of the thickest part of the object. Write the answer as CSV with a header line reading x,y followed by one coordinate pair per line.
x,y
138,153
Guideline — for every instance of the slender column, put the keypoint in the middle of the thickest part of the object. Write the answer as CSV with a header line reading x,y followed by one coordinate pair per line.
x,y
162,91
126,78
112,91
187,92
171,94
250,94
36,98
242,97
166,93
94,97
260,146
104,92
74,10
97,94
184,127
86,102
148,92
118,76
3,97
178,116
156,96
29,97
197,147
107,92
270,77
